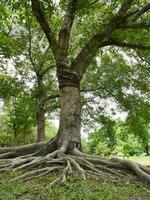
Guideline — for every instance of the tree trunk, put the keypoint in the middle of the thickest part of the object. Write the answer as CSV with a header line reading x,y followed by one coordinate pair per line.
x,y
69,127
40,121
24,135
147,149
40,112
15,137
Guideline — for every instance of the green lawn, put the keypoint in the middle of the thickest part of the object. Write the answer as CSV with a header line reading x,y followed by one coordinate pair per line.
x,y
104,188
145,160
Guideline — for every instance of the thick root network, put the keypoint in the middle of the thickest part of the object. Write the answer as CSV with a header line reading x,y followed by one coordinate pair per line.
x,y
33,165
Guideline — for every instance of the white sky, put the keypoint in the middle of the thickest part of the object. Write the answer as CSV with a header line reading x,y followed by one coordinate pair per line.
x,y
56,1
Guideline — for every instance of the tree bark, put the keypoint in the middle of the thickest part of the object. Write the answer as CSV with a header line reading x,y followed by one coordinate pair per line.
x,y
24,135
40,121
40,112
69,128
14,137
147,149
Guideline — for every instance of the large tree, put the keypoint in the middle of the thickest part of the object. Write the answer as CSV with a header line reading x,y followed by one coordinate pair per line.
x,y
76,31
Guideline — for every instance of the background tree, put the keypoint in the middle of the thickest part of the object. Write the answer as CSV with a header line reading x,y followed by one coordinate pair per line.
x,y
33,64
20,117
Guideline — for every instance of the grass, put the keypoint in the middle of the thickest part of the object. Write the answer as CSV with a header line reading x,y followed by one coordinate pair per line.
x,y
144,160
104,188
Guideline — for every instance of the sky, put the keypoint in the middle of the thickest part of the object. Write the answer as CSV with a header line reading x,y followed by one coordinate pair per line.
x,y
56,1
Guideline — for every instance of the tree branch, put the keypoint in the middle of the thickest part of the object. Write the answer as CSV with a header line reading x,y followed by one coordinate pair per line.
x,y
85,56
143,59
145,25
124,8
30,49
94,2
43,59
29,52
127,44
82,91
142,11
47,69
41,18
64,34
90,89
52,97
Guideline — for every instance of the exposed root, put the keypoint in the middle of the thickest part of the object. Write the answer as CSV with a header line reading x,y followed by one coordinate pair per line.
x,y
41,148
7,155
22,150
144,177
36,173
77,167
33,165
